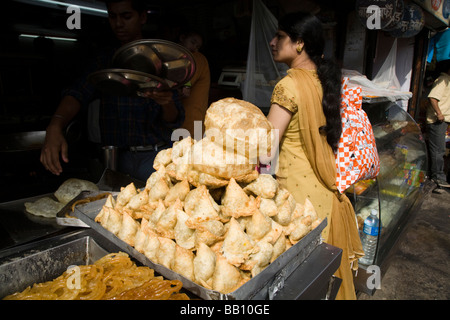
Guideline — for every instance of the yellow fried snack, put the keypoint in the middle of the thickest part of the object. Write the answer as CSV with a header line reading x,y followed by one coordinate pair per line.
x,y
114,276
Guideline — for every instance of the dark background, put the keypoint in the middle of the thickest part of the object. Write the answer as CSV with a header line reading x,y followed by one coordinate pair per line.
x,y
34,72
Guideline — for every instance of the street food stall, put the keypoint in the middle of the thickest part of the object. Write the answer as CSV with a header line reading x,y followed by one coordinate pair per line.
x,y
219,227
35,248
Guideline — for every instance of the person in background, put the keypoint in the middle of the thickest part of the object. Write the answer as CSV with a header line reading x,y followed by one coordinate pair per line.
x,y
438,118
305,109
138,126
196,94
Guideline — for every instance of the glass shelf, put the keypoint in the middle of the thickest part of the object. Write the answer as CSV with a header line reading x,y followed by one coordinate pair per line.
x,y
399,185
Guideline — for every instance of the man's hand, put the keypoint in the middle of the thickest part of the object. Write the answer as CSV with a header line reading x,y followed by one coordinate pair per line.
x,y
435,105
54,145
160,97
165,99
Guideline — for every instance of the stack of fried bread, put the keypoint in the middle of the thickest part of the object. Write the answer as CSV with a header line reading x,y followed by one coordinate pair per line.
x,y
217,228
68,190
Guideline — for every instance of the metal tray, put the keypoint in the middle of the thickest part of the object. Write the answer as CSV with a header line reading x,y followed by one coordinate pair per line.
x,y
44,260
127,82
165,59
18,226
265,284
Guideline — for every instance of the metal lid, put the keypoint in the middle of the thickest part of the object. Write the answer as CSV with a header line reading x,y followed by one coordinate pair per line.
x,y
164,59
126,82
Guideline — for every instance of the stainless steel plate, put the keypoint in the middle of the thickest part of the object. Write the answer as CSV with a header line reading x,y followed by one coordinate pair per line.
x,y
126,82
47,259
161,58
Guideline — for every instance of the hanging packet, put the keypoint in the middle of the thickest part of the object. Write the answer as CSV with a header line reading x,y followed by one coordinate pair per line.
x,y
357,156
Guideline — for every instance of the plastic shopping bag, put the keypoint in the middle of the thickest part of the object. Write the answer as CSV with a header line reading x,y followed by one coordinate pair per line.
x,y
357,157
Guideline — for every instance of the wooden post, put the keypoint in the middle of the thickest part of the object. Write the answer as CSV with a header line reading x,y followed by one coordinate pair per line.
x,y
419,66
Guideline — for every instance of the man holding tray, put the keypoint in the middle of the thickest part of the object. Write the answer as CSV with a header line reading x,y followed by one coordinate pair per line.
x,y
138,126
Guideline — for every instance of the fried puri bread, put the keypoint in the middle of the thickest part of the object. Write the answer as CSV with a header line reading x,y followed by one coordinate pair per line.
x,y
72,188
44,207
242,124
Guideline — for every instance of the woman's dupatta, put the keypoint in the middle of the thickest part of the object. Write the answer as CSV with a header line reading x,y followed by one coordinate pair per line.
x,y
343,232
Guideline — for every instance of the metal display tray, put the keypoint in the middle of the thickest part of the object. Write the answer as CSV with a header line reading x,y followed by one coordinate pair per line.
x,y
47,259
18,227
266,284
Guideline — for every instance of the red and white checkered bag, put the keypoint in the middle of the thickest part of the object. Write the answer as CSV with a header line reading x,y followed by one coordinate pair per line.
x,y
357,156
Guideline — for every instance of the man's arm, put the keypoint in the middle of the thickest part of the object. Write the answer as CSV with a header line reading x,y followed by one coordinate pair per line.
x,y
55,144
435,105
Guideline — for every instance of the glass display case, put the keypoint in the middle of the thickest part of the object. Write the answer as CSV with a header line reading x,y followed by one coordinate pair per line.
x,y
398,189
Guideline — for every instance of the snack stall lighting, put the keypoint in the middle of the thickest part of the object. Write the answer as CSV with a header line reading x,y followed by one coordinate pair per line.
x,y
57,4
33,36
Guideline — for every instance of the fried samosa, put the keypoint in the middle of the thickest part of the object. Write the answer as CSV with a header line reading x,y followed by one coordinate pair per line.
x,y
260,259
258,226
198,204
226,277
209,232
184,262
264,186
162,159
102,215
268,207
125,195
128,229
166,252
113,220
236,203
152,245
184,236
178,191
168,219
204,265
237,245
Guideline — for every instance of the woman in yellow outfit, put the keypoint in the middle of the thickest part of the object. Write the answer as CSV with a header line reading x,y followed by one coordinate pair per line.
x,y
305,110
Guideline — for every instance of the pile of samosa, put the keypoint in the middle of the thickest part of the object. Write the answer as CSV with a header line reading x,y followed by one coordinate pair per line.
x,y
216,228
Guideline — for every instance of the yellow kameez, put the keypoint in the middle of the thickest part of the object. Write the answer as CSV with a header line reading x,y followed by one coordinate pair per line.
x,y
306,168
